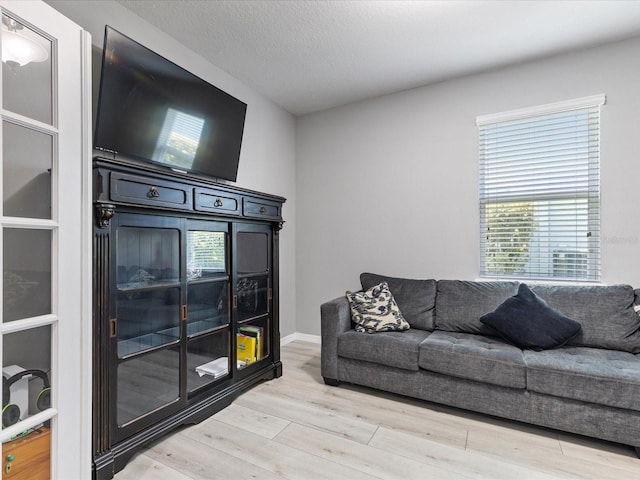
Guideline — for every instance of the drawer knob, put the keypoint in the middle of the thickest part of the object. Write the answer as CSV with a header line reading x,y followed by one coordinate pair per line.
x,y
263,209
217,203
153,193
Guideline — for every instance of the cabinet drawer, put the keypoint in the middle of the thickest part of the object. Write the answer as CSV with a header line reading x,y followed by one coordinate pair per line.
x,y
145,191
213,201
28,457
261,209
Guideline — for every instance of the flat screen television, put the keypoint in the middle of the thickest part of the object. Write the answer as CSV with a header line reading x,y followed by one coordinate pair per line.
x,y
153,110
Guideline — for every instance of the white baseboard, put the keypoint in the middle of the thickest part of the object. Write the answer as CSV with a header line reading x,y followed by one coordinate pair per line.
x,y
303,337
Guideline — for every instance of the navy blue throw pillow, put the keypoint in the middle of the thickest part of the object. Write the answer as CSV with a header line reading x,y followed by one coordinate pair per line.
x,y
526,321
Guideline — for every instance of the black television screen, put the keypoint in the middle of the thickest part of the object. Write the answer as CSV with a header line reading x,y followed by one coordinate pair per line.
x,y
151,109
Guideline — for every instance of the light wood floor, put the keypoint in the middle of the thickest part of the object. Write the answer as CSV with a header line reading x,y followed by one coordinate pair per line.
x,y
295,427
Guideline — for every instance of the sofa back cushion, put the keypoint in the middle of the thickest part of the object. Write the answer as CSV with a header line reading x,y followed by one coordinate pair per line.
x,y
415,298
606,314
461,303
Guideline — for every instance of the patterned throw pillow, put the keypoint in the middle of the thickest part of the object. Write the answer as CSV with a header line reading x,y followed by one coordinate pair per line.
x,y
376,311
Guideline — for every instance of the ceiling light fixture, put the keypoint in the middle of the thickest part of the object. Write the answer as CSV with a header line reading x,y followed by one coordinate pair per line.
x,y
17,48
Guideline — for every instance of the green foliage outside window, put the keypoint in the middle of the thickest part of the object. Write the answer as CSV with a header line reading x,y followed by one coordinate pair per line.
x,y
510,227
206,250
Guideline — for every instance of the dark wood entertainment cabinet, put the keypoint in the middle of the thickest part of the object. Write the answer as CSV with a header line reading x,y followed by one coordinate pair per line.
x,y
185,302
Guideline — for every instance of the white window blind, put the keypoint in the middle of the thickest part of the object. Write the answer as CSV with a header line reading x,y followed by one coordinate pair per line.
x,y
540,192
179,138
206,250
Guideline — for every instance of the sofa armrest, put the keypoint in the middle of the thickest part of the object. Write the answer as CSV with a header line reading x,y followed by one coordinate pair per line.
x,y
335,318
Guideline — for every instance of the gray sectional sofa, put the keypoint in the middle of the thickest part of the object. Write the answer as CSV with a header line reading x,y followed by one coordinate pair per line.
x,y
589,386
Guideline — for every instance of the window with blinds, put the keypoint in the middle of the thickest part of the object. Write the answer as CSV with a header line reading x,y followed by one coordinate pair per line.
x,y
540,192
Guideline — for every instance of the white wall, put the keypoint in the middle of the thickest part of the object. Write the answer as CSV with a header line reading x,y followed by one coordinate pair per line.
x,y
389,185
267,160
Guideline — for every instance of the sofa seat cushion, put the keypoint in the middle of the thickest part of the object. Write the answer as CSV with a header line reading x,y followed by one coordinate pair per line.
x,y
415,298
606,377
474,357
394,349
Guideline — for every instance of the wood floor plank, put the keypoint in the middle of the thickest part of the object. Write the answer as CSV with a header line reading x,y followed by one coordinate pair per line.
x,y
372,461
266,426
145,468
372,409
286,462
532,437
202,462
469,464
300,411
524,448
606,454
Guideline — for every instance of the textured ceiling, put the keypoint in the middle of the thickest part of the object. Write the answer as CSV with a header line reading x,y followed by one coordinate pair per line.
x,y
312,55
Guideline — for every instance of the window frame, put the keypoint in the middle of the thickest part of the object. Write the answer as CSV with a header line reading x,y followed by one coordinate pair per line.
x,y
490,196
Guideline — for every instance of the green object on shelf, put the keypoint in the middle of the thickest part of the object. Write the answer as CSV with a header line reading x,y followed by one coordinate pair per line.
x,y
21,434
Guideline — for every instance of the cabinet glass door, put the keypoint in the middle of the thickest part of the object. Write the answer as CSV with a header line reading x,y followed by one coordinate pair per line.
x,y
146,329
148,308
252,284
207,304
252,292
